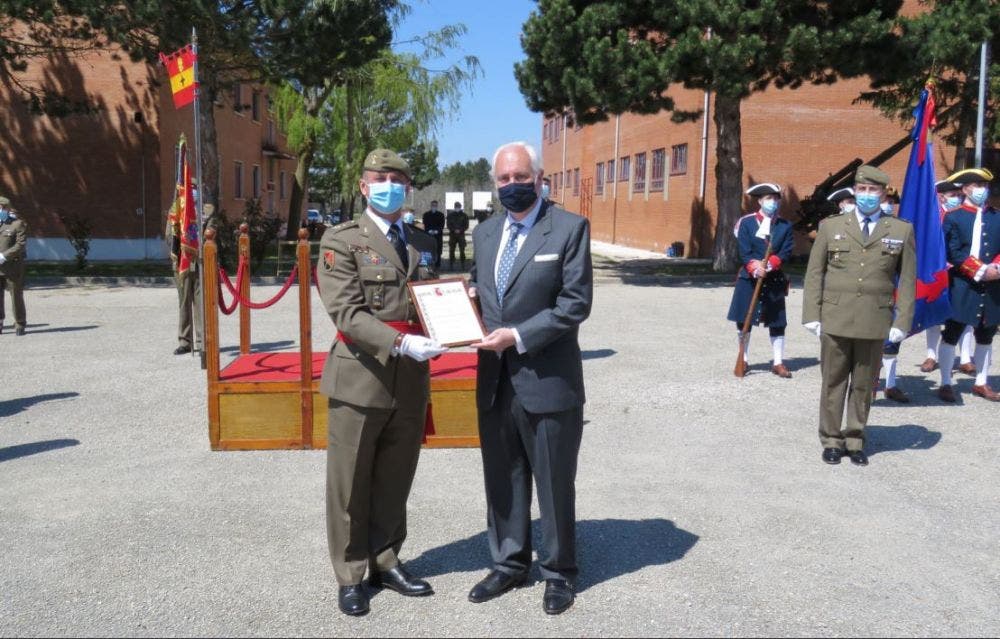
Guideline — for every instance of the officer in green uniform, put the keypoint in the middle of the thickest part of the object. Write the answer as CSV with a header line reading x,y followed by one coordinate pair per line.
x,y
378,381
13,251
848,303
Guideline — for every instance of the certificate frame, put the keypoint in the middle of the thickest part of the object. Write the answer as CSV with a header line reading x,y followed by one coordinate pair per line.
x,y
470,328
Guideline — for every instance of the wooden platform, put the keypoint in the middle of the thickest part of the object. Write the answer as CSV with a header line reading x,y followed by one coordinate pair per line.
x,y
257,403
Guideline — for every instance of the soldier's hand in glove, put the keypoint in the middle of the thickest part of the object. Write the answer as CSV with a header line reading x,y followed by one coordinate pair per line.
x,y
420,348
813,327
896,336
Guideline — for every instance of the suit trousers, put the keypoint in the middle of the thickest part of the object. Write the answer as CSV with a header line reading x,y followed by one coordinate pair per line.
x,y
189,309
848,367
518,446
16,286
370,463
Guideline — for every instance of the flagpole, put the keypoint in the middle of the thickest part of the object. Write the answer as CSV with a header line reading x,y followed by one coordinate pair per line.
x,y
982,105
198,199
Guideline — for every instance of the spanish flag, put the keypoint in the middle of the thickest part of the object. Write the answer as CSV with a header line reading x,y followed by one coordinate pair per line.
x,y
180,67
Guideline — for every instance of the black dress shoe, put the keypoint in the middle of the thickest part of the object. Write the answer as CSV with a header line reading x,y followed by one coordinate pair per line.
x,y
19,330
353,600
180,350
402,582
495,584
832,455
858,457
558,596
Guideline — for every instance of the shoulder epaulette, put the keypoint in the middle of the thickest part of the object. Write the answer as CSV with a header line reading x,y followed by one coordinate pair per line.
x,y
343,226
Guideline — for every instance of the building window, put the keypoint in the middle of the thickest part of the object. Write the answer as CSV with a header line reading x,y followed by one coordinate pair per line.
x,y
576,181
599,179
656,179
255,106
555,132
624,164
281,185
558,181
256,180
639,181
238,98
238,181
610,173
569,178
679,159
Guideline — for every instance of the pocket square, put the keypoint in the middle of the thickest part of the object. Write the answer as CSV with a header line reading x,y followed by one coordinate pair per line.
x,y
547,257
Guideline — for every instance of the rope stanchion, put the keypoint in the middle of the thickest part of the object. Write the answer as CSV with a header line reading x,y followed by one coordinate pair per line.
x,y
235,292
229,310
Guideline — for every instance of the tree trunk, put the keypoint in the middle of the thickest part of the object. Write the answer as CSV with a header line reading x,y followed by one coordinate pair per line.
x,y
299,186
728,181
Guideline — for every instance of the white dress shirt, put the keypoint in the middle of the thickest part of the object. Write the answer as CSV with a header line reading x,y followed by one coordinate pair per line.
x,y
873,217
383,224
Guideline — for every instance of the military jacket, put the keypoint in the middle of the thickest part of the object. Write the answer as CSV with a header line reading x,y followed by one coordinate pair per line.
x,y
972,301
13,245
362,283
851,285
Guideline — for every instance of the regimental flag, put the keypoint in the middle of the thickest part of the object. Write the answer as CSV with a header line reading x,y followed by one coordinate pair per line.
x,y
180,67
919,206
184,220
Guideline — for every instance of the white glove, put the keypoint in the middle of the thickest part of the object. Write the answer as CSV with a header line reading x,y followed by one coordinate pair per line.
x,y
813,327
420,348
896,336
3,258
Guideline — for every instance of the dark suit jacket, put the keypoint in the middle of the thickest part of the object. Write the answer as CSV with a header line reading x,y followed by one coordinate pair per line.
x,y
972,300
548,295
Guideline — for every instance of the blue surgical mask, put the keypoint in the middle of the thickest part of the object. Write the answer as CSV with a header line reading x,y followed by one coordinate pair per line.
x,y
978,195
408,218
867,203
545,191
886,208
4,214
386,197
769,207
848,208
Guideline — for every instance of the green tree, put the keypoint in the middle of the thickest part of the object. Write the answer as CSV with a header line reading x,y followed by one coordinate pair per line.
x,y
942,45
604,57
472,172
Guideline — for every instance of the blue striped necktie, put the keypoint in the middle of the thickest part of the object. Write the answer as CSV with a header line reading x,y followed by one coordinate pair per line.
x,y
507,260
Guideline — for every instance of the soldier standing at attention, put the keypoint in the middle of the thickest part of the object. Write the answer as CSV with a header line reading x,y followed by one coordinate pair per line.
x,y
378,381
458,224
755,232
972,241
434,225
13,251
848,303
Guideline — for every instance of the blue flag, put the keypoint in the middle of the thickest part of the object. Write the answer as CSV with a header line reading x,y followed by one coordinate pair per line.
x,y
919,206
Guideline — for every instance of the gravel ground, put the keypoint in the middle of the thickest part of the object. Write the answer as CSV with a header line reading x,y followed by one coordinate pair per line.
x,y
703,506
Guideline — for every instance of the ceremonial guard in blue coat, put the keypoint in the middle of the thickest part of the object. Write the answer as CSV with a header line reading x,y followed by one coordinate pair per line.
x,y
972,237
753,231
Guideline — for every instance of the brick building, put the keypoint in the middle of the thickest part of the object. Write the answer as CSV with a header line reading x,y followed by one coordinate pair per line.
x,y
640,179
110,155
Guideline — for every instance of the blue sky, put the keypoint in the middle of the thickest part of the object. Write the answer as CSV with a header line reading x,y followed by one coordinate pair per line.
x,y
494,111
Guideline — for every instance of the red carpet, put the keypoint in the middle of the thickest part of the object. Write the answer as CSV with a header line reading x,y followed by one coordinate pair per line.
x,y
284,367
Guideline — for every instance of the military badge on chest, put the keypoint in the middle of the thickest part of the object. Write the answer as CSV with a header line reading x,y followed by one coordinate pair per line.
x,y
328,260
366,256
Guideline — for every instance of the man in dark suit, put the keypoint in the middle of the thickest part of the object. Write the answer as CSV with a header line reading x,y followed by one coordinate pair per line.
x,y
434,226
533,277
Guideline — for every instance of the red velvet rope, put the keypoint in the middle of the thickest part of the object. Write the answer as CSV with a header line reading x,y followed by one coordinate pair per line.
x,y
229,310
241,273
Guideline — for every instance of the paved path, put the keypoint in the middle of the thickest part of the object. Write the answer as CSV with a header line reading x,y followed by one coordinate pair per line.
x,y
703,506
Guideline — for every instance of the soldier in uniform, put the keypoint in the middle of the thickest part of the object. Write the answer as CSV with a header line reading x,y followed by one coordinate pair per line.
x,y
378,381
755,232
434,225
972,238
13,251
458,224
188,283
848,303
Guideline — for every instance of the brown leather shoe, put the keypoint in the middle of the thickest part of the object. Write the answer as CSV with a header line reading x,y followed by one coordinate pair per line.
x,y
781,371
986,392
947,394
929,365
896,395
968,368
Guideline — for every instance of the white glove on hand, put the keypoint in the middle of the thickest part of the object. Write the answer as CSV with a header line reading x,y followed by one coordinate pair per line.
x,y
896,336
420,348
813,327
3,258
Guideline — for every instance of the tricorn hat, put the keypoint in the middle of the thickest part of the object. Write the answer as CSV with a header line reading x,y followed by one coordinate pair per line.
x,y
384,160
968,176
840,194
944,186
764,188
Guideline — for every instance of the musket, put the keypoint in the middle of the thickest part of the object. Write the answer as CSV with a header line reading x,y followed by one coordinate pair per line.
x,y
741,365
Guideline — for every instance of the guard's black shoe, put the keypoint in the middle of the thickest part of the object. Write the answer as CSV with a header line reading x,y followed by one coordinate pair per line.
x,y
558,596
19,330
180,350
832,455
495,584
401,581
858,458
353,600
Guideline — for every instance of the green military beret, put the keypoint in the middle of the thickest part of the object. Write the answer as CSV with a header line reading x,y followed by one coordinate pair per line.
x,y
4,201
385,160
868,174
969,176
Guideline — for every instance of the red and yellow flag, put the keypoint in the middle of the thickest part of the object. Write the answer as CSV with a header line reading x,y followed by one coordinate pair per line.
x,y
183,215
180,67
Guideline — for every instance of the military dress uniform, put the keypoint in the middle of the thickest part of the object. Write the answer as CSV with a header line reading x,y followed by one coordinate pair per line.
x,y
849,287
434,226
972,240
458,224
377,397
13,248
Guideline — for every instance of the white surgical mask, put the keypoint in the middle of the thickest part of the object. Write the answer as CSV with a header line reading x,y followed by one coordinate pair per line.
x,y
848,208
978,195
886,208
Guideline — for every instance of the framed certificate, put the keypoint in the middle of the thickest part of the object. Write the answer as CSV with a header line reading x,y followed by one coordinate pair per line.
x,y
446,311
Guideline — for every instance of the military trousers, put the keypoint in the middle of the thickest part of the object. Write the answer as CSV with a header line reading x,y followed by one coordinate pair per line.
x,y
189,309
371,459
16,286
848,367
